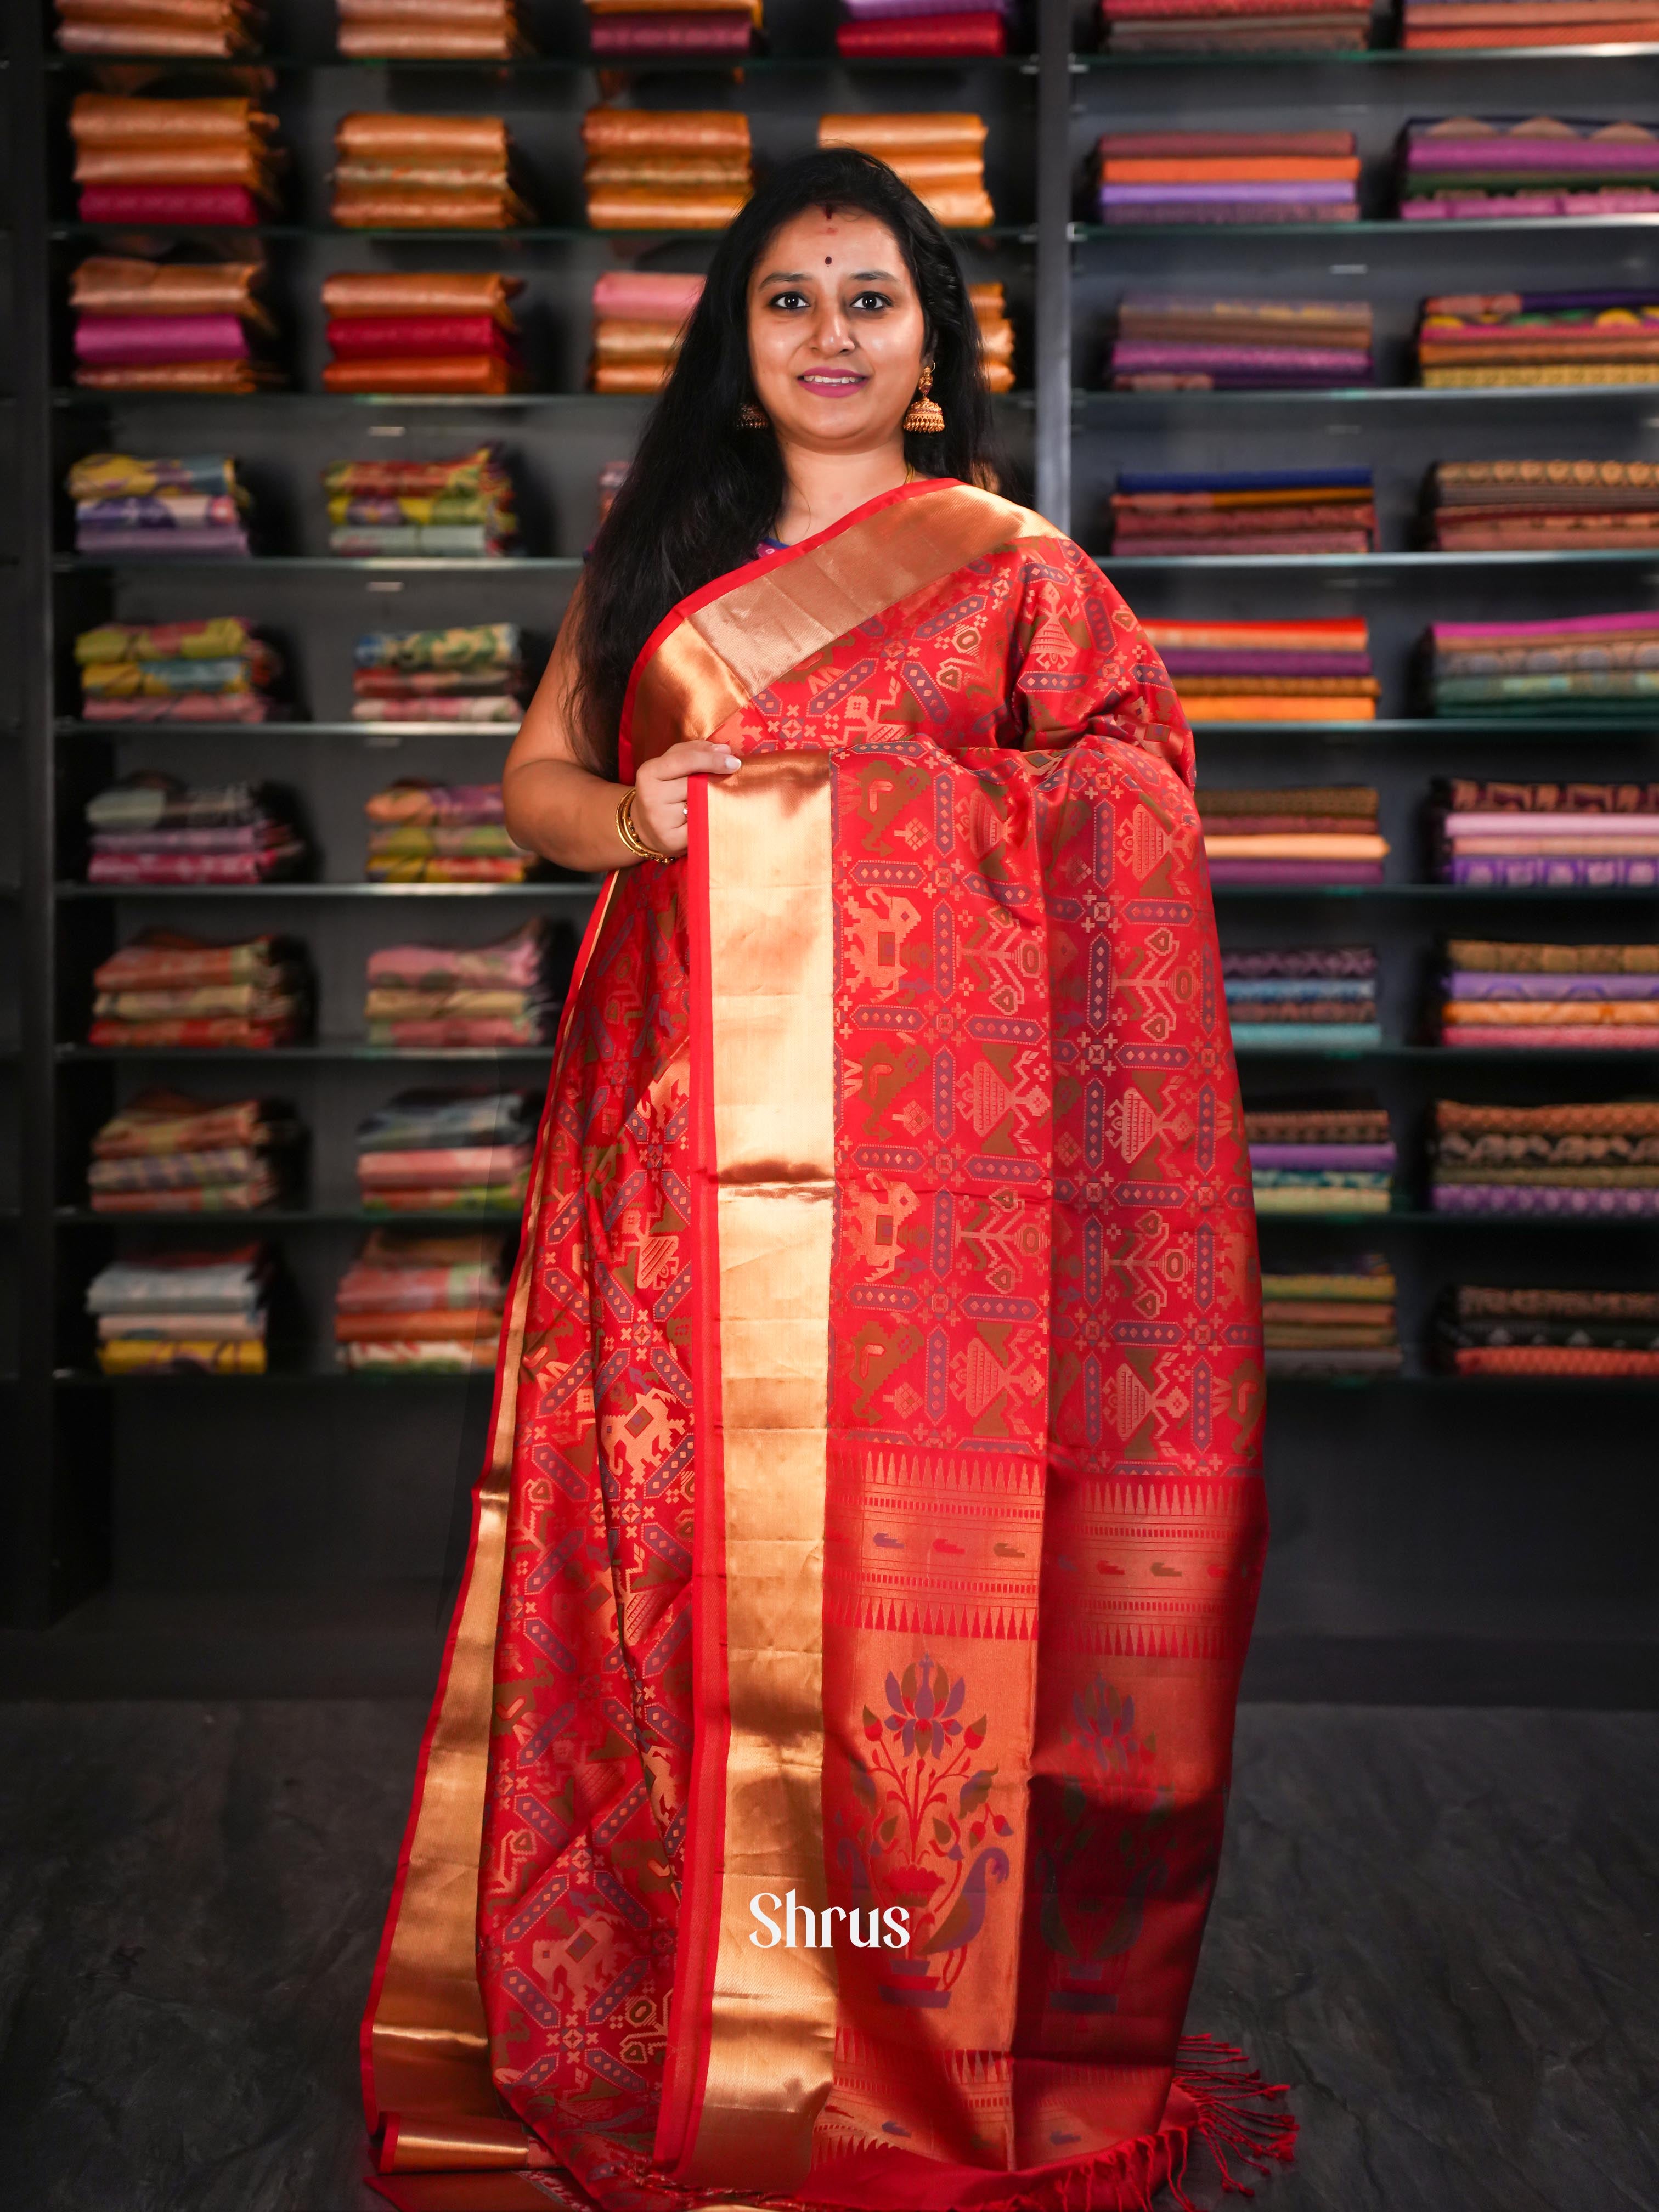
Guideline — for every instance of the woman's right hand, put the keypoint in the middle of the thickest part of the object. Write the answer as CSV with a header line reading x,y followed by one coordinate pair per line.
x,y
659,791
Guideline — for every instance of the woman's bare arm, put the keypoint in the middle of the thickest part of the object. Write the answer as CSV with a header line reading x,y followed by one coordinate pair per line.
x,y
559,808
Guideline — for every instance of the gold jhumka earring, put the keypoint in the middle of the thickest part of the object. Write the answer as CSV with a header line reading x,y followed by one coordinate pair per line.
x,y
923,415
750,418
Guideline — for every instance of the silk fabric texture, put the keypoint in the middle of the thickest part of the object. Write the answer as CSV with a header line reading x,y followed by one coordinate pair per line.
x,y
872,1509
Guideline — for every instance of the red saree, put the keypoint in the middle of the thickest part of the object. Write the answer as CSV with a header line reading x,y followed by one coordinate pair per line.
x,y
872,1524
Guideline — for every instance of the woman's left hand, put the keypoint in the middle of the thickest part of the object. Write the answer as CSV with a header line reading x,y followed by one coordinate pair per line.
x,y
660,803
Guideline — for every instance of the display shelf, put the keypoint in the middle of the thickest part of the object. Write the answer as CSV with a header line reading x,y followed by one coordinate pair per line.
x,y
325,564
1352,1605
1435,894
537,68
565,895
1369,227
1450,1056
1404,56
329,1052
1425,564
71,400
528,234
1091,399
277,1216
1545,726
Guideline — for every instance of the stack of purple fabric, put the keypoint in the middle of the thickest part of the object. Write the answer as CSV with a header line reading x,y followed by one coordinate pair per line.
x,y
1183,342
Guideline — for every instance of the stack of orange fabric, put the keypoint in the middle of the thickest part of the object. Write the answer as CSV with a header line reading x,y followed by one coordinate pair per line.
x,y
210,161
1229,176
1255,672
632,29
221,29
940,157
425,172
421,331
996,335
430,30
638,316
664,169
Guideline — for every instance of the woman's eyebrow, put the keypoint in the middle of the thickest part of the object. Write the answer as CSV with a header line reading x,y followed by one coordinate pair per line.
x,y
785,276
871,276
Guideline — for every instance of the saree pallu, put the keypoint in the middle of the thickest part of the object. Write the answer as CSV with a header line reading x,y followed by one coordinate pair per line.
x,y
872,1522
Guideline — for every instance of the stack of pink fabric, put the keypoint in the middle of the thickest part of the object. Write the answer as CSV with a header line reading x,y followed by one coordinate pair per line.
x,y
446,995
638,316
633,29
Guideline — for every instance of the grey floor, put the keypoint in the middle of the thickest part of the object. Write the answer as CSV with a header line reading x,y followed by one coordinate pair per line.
x,y
1439,1926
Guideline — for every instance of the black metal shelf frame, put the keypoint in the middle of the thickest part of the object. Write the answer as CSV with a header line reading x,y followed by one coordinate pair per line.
x,y
57,1541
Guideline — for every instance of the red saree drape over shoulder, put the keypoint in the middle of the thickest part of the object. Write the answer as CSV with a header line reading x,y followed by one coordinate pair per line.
x,y
874,1519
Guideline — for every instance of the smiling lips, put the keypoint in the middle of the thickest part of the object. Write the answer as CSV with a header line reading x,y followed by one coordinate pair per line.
x,y
832,383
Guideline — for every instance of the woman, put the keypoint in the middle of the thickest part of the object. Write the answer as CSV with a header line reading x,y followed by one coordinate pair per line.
x,y
830,1755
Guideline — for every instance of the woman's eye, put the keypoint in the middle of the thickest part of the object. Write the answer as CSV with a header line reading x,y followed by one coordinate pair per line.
x,y
789,300
872,303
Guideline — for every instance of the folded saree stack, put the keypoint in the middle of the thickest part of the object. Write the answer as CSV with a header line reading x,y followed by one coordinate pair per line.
x,y
1551,998
1229,176
1577,1162
939,30
1606,1335
635,30
459,508
1251,511
208,162
442,833
1309,998
1490,506
1340,1319
1470,168
214,670
411,1304
168,990
1179,342
168,1311
455,1151
421,331
664,169
638,316
168,1153
1575,664
170,326
430,30
996,334
136,509
150,829
941,157
1478,25
447,995
223,30
1555,836
474,674
1244,27
1327,1155
1472,341
1315,834
425,172
1256,672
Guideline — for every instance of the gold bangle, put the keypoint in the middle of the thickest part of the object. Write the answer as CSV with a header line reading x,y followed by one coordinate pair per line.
x,y
629,835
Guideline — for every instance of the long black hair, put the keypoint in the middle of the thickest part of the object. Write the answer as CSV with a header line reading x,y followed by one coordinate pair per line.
x,y
703,490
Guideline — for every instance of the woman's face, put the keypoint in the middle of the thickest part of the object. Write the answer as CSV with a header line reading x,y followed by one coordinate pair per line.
x,y
835,331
